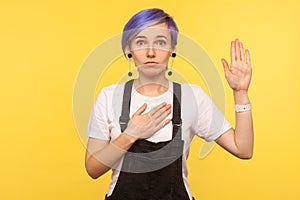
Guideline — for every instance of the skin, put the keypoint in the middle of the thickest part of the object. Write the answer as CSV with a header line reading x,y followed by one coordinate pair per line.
x,y
151,50
239,141
153,44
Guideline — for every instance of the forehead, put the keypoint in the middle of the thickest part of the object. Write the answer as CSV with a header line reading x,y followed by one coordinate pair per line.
x,y
155,30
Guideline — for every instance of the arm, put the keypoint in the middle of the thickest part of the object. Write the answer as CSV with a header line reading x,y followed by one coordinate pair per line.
x,y
101,155
239,141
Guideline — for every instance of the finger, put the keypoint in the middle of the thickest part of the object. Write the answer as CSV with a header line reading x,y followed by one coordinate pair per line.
x,y
248,56
161,125
232,52
167,122
156,108
237,50
161,117
242,51
141,110
161,111
226,67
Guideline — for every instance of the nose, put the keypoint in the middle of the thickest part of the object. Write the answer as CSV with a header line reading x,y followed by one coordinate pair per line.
x,y
150,52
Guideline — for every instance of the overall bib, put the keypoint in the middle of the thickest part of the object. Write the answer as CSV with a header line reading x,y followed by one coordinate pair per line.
x,y
152,171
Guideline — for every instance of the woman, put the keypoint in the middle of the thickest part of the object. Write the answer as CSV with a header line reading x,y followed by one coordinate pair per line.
x,y
135,137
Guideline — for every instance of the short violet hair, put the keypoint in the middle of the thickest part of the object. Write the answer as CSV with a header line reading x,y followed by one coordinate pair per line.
x,y
147,18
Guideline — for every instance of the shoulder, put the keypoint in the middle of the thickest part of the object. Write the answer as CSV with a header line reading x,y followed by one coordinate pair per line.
x,y
111,91
195,95
112,87
195,89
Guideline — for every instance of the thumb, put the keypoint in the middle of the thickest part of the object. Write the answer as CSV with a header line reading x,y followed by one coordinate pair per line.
x,y
225,66
141,109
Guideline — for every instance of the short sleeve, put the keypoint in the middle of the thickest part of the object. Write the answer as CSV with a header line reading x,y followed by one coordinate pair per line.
x,y
211,122
98,126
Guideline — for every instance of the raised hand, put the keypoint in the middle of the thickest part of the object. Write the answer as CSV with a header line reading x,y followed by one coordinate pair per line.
x,y
239,74
142,126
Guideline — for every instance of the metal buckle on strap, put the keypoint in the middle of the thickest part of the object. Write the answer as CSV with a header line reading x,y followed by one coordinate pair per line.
x,y
178,124
123,120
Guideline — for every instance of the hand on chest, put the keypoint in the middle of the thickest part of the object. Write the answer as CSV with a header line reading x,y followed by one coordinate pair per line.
x,y
137,101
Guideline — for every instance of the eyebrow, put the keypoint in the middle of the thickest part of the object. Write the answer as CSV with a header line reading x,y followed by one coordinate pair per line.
x,y
158,36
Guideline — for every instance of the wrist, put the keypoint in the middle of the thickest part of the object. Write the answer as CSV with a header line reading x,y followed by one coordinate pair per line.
x,y
242,108
241,97
131,139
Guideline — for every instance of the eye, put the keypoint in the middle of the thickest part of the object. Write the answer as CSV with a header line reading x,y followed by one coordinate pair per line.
x,y
140,42
161,43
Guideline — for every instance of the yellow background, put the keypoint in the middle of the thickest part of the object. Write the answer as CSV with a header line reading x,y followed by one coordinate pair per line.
x,y
44,43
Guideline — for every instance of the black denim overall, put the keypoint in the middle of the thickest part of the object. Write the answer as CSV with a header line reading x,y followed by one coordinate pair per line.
x,y
152,171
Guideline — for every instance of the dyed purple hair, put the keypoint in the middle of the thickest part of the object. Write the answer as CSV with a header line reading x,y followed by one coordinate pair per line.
x,y
144,19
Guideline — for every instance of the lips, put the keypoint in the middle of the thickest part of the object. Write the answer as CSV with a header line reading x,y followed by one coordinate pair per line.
x,y
151,63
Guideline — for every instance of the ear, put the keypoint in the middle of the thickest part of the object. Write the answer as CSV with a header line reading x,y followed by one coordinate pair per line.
x,y
173,50
127,49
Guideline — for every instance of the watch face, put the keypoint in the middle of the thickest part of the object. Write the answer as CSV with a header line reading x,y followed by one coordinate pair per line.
x,y
242,108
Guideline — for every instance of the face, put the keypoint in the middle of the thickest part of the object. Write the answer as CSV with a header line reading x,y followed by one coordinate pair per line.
x,y
151,49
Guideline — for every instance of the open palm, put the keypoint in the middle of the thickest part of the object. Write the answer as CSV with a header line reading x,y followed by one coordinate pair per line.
x,y
239,74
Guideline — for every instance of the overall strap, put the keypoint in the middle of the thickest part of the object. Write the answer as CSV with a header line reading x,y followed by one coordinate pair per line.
x,y
124,118
176,119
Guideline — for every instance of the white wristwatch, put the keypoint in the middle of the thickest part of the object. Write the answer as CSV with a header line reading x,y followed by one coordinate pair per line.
x,y
242,108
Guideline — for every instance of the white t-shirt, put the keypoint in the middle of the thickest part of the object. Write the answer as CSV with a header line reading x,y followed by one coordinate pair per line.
x,y
200,116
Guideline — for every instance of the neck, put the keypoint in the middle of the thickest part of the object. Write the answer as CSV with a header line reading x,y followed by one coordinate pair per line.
x,y
151,87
